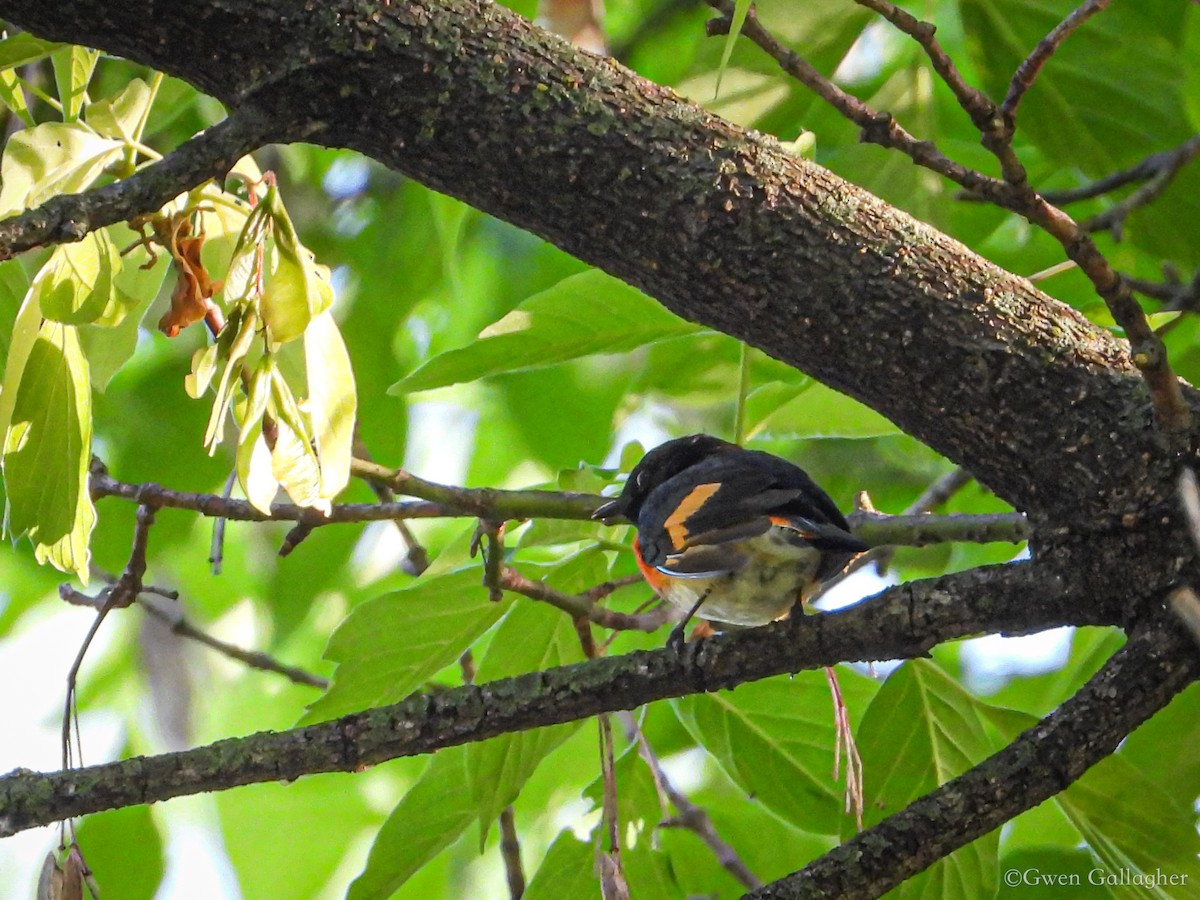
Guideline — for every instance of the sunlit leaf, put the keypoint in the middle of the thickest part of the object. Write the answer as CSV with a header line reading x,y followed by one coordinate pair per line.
x,y
332,401
73,68
54,158
232,350
254,469
47,449
12,95
299,288
582,315
23,48
434,812
122,116
76,284
810,410
388,647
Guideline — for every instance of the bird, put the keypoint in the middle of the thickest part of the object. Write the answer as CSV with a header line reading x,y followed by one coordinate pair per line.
x,y
735,536
739,537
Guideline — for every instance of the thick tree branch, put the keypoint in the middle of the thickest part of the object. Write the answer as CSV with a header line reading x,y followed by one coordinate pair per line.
x,y
721,225
69,217
1156,664
904,621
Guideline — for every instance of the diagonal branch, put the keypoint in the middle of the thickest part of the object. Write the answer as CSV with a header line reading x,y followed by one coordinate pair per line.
x,y
904,621
69,217
1156,663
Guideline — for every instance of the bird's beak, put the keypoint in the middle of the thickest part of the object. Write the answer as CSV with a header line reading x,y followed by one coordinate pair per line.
x,y
611,510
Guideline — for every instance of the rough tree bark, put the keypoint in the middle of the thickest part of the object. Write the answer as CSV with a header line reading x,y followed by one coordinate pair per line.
x,y
723,227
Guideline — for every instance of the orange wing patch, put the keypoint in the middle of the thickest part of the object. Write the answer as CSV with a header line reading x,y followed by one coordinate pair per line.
x,y
676,525
785,522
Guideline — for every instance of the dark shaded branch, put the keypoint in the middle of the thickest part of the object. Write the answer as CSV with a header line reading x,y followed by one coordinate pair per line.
x,y
69,217
1144,170
904,621
1140,679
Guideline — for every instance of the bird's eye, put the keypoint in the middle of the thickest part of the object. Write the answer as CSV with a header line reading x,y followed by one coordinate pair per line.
x,y
641,478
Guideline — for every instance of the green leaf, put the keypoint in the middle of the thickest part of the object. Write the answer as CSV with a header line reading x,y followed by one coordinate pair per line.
x,y
51,159
73,67
47,449
737,20
434,812
921,730
75,286
568,870
332,401
299,288
775,738
1095,106
532,637
1133,824
390,646
125,841
122,116
1032,865
254,469
23,48
12,95
14,285
810,410
582,315
242,331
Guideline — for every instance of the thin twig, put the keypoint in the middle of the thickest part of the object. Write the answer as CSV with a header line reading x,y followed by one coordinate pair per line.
x,y
498,505
689,815
216,550
581,606
70,217
416,557
1029,69
172,615
1013,192
120,594
1138,172
877,127
510,851
1170,164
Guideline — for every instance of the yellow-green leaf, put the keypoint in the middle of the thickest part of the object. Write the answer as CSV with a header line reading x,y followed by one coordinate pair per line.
x,y
299,288
332,401
123,115
242,331
73,67
51,159
254,469
12,95
23,48
47,448
76,284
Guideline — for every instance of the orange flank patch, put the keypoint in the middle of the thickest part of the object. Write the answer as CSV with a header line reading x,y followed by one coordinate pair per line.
x,y
676,522
656,579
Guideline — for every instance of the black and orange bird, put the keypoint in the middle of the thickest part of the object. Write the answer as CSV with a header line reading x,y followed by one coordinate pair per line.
x,y
732,535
